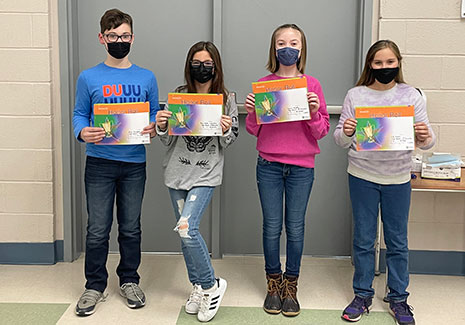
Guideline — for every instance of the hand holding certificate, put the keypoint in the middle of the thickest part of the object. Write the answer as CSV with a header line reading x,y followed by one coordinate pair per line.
x,y
281,100
385,128
195,114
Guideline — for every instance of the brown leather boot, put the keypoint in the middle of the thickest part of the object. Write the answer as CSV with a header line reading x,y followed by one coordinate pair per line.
x,y
290,304
272,302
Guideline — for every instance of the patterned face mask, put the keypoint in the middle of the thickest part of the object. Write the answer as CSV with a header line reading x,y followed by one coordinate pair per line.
x,y
288,56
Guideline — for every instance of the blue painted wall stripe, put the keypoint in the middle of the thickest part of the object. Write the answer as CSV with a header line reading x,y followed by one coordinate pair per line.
x,y
420,262
431,262
31,253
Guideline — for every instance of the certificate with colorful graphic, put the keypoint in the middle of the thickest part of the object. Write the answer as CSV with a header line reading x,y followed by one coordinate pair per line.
x,y
282,100
123,122
195,114
385,128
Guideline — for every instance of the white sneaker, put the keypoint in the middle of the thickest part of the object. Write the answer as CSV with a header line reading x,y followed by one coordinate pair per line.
x,y
211,301
193,303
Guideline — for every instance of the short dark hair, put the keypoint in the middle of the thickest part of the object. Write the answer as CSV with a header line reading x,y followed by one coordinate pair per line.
x,y
114,18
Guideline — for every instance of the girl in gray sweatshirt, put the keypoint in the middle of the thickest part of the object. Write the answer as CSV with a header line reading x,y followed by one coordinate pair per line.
x,y
193,166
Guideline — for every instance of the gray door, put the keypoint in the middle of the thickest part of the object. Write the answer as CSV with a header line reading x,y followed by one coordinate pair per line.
x,y
332,30
164,31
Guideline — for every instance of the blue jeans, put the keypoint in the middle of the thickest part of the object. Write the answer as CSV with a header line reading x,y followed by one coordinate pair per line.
x,y
275,180
394,201
103,180
189,207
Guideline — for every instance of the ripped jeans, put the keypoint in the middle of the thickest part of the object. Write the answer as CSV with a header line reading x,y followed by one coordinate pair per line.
x,y
189,207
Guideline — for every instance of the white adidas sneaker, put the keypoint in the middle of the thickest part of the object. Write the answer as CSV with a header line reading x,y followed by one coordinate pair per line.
x,y
211,301
193,303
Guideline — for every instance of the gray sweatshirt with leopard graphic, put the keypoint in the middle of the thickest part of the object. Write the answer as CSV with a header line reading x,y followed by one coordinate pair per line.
x,y
192,161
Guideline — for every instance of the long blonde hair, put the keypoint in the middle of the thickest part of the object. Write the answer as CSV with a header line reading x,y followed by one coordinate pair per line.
x,y
367,78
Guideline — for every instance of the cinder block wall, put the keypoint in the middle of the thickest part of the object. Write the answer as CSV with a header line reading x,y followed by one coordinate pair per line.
x,y
430,34
30,167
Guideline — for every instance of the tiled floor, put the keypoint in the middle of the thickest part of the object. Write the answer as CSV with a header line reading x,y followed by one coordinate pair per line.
x,y
323,284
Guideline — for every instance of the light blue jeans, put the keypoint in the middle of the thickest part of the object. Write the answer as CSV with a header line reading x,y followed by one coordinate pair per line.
x,y
189,207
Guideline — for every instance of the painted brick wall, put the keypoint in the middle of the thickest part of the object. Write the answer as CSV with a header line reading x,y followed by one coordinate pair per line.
x,y
430,34
28,178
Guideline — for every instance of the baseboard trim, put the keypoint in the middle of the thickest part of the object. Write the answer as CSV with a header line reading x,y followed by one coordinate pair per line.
x,y
31,253
431,262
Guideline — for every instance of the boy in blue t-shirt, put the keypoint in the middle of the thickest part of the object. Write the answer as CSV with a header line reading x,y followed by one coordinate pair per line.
x,y
113,170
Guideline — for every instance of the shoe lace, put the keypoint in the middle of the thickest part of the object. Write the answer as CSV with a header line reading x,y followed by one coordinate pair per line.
x,y
402,308
289,289
273,285
205,303
196,294
92,295
358,303
133,290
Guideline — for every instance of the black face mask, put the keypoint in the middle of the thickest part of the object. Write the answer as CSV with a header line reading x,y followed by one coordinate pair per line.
x,y
202,73
118,50
385,75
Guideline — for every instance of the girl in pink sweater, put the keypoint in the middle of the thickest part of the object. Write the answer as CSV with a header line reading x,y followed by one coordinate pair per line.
x,y
285,169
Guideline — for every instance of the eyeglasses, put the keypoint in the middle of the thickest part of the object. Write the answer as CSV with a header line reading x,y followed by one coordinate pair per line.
x,y
112,38
206,64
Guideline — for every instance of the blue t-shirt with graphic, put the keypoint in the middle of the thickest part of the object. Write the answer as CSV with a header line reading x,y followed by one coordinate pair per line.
x,y
105,84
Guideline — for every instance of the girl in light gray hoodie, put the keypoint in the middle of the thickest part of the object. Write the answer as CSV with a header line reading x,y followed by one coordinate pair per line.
x,y
381,179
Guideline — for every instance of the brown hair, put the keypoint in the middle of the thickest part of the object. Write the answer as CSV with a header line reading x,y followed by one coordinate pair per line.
x,y
367,78
114,18
217,85
273,63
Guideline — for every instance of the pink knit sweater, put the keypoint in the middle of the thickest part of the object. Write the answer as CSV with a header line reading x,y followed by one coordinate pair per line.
x,y
292,143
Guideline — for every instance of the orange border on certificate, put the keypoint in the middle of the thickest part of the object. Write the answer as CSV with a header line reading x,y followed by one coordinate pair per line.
x,y
278,85
384,111
195,99
121,108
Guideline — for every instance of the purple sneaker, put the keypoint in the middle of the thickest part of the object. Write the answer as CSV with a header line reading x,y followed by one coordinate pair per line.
x,y
402,312
357,308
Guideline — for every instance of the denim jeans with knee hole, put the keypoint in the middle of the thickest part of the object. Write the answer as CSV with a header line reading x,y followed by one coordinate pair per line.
x,y
275,181
104,180
394,200
189,207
